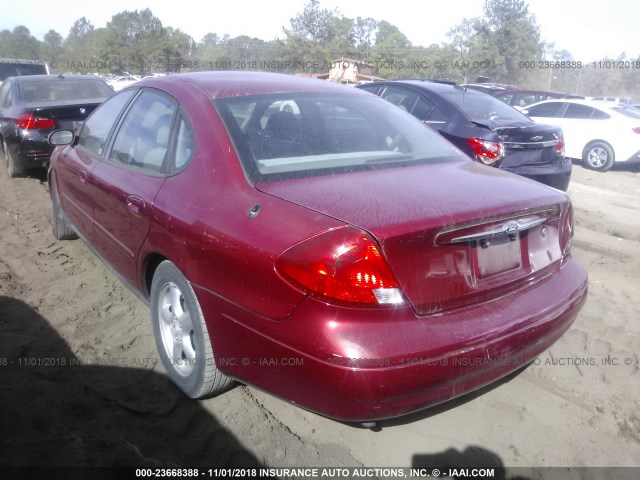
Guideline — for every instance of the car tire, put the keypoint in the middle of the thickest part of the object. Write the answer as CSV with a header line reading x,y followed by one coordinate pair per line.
x,y
181,335
12,170
598,156
61,229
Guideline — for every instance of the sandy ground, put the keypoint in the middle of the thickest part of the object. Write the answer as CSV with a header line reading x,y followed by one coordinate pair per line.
x,y
82,385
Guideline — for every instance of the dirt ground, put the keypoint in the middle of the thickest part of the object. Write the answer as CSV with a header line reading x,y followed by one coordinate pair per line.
x,y
82,384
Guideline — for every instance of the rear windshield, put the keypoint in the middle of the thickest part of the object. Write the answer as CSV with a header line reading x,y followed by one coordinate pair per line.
x,y
64,90
291,135
484,109
14,68
628,111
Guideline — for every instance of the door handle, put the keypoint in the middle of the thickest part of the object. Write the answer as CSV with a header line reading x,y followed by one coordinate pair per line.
x,y
135,204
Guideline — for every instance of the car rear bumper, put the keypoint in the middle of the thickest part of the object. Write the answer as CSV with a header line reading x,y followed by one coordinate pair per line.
x,y
369,364
554,175
30,151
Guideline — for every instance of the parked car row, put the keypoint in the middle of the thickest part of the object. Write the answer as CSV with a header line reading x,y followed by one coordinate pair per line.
x,y
519,97
318,242
596,132
484,128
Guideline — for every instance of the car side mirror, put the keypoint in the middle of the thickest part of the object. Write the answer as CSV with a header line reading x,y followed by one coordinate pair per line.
x,y
524,111
61,137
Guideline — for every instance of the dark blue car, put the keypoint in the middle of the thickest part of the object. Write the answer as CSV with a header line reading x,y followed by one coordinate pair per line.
x,y
483,127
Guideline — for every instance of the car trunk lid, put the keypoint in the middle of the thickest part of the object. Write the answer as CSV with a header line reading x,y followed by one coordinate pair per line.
x,y
452,233
531,144
69,117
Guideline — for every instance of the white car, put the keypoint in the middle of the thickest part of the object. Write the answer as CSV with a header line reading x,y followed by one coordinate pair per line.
x,y
122,82
599,133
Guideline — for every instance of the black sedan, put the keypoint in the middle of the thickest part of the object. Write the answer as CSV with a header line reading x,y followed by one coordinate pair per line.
x,y
483,127
31,107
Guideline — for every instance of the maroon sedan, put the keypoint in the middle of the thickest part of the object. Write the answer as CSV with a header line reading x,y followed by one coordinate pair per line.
x,y
315,241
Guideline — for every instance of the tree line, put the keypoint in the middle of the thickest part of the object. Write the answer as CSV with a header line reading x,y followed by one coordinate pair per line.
x,y
503,45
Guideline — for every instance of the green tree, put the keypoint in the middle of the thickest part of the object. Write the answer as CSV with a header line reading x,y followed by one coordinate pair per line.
x,y
19,43
318,35
135,42
513,32
391,47
52,46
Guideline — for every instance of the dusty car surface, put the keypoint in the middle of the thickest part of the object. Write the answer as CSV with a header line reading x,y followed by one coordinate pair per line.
x,y
331,253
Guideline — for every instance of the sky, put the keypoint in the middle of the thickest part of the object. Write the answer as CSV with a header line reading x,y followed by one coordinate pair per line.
x,y
589,30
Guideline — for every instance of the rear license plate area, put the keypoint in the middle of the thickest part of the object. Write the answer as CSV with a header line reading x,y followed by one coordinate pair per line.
x,y
497,256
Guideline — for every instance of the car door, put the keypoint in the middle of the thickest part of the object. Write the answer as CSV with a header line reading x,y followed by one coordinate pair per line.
x,y
125,184
75,165
582,124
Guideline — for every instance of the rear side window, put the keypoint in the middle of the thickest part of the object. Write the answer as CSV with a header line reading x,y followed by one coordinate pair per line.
x,y
97,127
505,97
575,110
184,145
370,88
143,138
401,98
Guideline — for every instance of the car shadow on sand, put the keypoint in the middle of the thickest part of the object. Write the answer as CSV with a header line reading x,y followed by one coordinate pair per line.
x,y
473,462
56,411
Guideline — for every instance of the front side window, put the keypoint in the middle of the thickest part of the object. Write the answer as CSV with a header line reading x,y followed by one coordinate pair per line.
x,y
97,127
143,137
280,136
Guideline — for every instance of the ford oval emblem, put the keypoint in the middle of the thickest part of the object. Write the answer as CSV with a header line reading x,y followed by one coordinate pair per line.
x,y
511,227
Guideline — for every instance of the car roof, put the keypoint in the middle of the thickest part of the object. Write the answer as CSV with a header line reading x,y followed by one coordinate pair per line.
x,y
233,84
430,85
53,78
602,104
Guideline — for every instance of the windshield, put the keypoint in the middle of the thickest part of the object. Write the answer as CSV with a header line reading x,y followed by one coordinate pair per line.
x,y
484,109
290,135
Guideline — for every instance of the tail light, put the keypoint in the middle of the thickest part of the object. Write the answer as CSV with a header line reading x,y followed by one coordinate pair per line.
x,y
566,232
485,151
343,264
560,147
29,121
